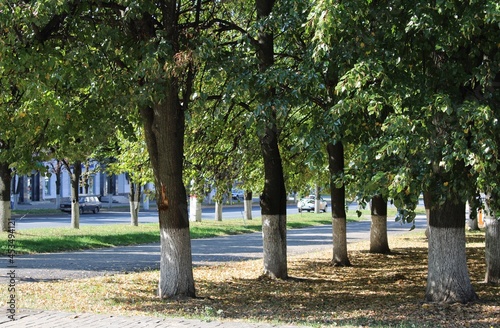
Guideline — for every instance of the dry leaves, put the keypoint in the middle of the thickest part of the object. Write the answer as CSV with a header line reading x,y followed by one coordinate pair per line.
x,y
378,290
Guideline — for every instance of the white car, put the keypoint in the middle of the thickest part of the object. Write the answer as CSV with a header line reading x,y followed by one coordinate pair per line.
x,y
308,203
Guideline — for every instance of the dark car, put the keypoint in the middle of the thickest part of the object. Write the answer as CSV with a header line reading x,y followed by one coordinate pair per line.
x,y
86,204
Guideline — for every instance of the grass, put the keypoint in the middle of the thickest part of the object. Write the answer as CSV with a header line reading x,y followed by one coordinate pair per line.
x,y
377,291
48,240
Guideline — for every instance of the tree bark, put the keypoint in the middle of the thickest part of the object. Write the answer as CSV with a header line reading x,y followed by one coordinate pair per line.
x,y
472,224
378,231
57,172
427,206
448,279
339,220
316,200
164,131
134,201
492,248
273,198
5,211
273,209
75,194
164,127
247,205
218,210
194,209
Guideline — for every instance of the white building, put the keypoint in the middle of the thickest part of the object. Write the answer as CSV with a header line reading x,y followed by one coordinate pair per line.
x,y
41,186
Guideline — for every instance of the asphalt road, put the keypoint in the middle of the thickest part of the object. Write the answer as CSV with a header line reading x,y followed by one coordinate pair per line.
x,y
55,266
113,216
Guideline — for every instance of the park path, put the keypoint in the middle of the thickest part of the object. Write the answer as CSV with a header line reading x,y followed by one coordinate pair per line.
x,y
105,261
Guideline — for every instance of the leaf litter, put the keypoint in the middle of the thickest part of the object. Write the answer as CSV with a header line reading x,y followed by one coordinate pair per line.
x,y
376,291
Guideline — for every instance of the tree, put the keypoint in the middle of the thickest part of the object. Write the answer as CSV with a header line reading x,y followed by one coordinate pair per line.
x,y
336,160
56,167
427,140
130,158
145,51
24,96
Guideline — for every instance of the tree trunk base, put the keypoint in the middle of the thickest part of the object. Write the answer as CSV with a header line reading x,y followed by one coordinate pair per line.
x,y
274,244
176,273
492,250
379,243
448,279
340,256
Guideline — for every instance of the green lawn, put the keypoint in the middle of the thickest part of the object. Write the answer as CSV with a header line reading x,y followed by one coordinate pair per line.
x,y
45,240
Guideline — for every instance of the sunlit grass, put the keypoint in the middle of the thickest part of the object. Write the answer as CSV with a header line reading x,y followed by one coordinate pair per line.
x,y
46,240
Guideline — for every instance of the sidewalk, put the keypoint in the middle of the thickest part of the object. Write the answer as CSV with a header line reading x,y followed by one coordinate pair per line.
x,y
53,319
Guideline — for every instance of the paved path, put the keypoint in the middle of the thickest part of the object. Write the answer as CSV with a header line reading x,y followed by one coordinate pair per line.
x,y
74,265
98,262
53,319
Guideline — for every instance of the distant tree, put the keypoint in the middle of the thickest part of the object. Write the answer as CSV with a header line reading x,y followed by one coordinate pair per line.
x,y
55,167
131,157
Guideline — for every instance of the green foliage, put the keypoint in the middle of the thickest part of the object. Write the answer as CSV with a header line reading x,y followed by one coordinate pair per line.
x,y
131,158
415,80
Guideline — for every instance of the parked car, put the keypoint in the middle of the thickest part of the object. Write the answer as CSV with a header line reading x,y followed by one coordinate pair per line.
x,y
308,204
237,194
86,204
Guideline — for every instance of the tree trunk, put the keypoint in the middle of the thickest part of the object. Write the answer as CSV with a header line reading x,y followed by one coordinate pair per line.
x,y
194,209
75,194
427,206
339,220
378,231
492,248
58,185
472,224
448,279
134,201
166,151
247,205
273,198
145,198
273,209
218,210
5,211
316,199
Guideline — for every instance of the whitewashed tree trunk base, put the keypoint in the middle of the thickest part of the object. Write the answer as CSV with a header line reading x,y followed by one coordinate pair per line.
x,y
274,245
340,255
176,274
5,214
75,215
218,211
134,213
247,209
448,279
492,251
194,209
378,235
